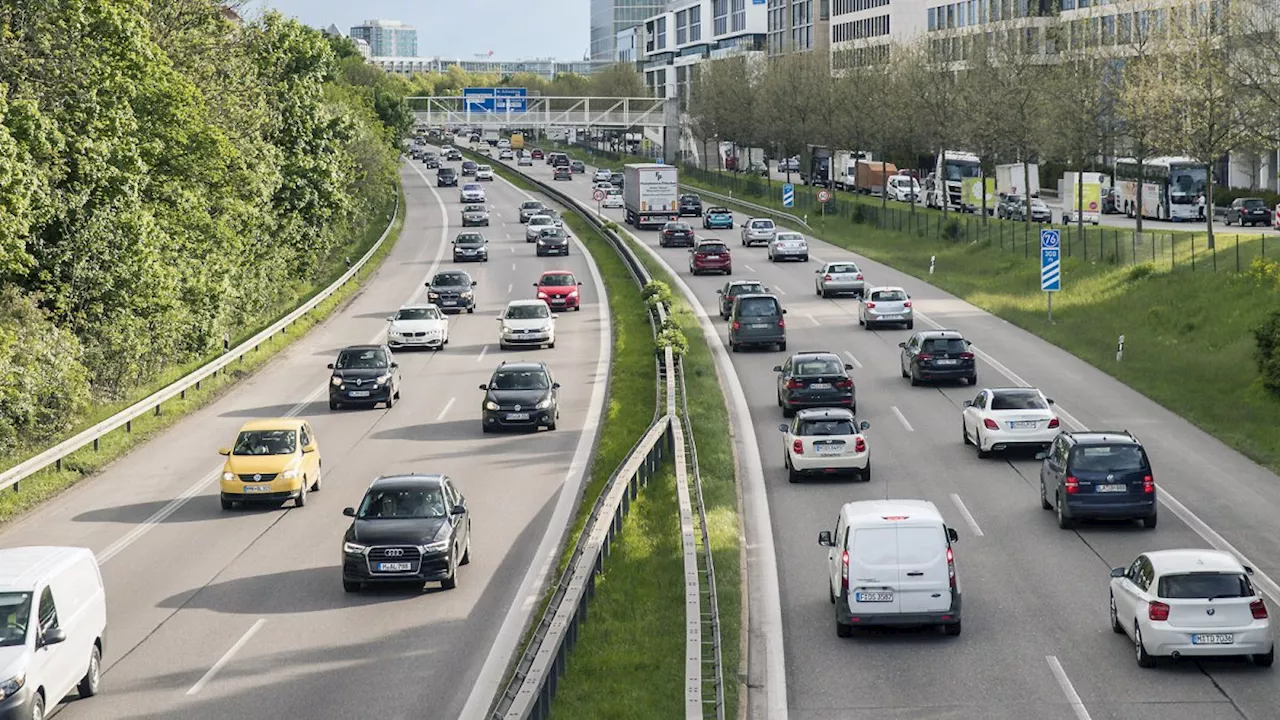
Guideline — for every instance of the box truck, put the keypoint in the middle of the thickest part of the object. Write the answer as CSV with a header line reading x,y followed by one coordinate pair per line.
x,y
845,168
650,194
1012,179
1094,185
872,177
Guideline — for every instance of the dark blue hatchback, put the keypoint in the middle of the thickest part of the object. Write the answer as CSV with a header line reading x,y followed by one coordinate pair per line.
x,y
1102,475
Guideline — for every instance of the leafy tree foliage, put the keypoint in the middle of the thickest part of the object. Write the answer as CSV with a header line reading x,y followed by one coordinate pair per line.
x,y
168,176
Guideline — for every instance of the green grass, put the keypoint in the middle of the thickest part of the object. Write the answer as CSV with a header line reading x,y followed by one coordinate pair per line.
x,y
86,462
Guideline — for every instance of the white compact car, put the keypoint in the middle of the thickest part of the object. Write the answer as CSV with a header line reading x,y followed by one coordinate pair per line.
x,y
418,326
484,172
471,193
885,305
824,442
536,224
506,155
758,231
1006,418
613,199
527,322
504,143
602,175
525,160
1190,603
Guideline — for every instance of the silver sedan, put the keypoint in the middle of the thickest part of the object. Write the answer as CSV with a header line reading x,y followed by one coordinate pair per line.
x,y
839,278
888,305
789,246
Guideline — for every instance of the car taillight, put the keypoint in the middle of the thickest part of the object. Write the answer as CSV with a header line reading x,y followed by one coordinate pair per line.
x,y
826,278
782,323
844,571
966,356
736,325
870,305
951,568
845,384
859,276
859,445
990,424
797,447
1053,423
1259,609
924,356
1072,484
906,304
794,384
1148,484
1157,611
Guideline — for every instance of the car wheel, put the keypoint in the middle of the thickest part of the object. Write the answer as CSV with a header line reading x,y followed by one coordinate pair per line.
x,y
502,346
484,427
831,592
911,324
1145,660
964,432
451,581
952,630
471,311
973,379
315,486
865,473
1266,659
915,381
804,259
1064,522
1149,522
1044,498
977,441
1116,627
333,405
843,630
92,679
788,412
903,370
351,586
37,706
466,554
301,500
782,346
733,346
861,321
227,504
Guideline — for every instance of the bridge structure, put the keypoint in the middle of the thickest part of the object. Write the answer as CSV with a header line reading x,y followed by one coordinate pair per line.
x,y
537,112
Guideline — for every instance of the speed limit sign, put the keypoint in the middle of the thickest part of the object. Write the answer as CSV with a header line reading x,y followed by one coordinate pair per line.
x,y
823,196
598,195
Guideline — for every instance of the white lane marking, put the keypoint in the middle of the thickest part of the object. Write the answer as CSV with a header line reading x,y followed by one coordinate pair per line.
x,y
1198,526
536,577
780,291
513,247
968,517
902,418
172,506
445,411
748,268
510,287
811,317
226,658
853,359
513,266
483,350
1068,689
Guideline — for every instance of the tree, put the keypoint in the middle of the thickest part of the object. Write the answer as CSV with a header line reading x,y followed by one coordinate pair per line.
x,y
1083,103
1140,102
931,79
618,80
794,96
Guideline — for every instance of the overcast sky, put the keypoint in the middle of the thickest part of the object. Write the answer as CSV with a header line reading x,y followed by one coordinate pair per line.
x,y
460,29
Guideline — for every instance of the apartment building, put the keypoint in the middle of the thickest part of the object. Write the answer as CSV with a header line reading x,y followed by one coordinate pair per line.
x,y
608,18
544,67
692,31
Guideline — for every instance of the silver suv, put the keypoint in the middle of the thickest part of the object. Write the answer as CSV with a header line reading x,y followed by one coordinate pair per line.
x,y
758,231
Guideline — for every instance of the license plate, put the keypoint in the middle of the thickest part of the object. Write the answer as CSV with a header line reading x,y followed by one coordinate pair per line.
x,y
830,449
948,362
1020,424
1213,639
257,488
394,567
359,393
820,386
557,301
517,416
759,325
890,317
450,302
1112,488
873,597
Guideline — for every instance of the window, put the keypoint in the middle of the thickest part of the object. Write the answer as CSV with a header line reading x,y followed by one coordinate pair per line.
x,y
695,23
266,442
48,611
306,436
1199,586
682,27
660,34
363,359
402,504
1017,401
739,18
720,16
819,366
1105,458
818,428
944,345
758,307
520,380
889,295
933,18
15,615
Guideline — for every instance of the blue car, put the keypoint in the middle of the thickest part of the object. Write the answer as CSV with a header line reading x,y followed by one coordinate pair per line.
x,y
717,217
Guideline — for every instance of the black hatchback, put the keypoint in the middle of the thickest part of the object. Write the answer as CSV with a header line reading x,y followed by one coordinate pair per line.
x,y
364,375
938,355
446,177
690,205
469,167
520,395
1098,475
815,379
1248,211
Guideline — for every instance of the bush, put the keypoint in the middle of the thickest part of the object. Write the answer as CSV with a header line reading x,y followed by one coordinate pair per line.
x,y
1140,272
1265,272
1267,336
951,230
1223,196
672,337
656,292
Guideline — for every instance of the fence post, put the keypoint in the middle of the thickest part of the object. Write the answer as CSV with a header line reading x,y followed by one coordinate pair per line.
x,y
1237,253
1193,253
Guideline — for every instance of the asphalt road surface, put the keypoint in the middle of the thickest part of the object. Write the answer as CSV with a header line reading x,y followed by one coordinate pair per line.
x,y
1037,642
241,614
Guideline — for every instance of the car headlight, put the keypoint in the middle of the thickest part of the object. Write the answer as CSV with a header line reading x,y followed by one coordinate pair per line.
x,y
335,381
546,403
354,548
228,476
440,542
431,294
573,293
491,405
466,295
506,331
542,295
435,547
384,379
289,475
546,328
12,685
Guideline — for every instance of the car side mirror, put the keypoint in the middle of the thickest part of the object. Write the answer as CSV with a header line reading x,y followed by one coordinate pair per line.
x,y
783,427
777,368
968,342
1117,572
952,535
864,426
968,403
308,448
1049,400
426,284
818,271
53,636
484,386
1248,570
555,386
330,366
719,292
391,318
395,365
1042,455
349,512
824,538
847,366
784,311
535,284
457,510
555,316
499,319
474,283
579,284
902,345
224,451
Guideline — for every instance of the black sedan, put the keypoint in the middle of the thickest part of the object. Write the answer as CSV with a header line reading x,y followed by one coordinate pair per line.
x,y
469,167
676,234
364,375
1248,211
408,529
520,395
470,247
816,379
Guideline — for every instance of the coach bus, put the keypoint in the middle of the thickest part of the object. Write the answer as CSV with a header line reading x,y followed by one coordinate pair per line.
x,y
1171,188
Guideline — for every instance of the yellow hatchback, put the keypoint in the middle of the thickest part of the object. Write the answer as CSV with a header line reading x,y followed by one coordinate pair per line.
x,y
271,461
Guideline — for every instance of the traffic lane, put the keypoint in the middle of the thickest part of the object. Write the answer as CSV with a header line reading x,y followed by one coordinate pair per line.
x,y
451,447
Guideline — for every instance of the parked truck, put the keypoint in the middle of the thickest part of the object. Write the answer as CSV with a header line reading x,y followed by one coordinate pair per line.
x,y
819,171
650,194
1012,179
872,177
845,168
945,185
1094,188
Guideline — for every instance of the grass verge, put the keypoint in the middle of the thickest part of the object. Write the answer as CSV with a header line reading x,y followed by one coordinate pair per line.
x,y
86,462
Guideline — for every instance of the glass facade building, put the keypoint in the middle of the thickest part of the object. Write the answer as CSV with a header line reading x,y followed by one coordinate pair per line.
x,y
387,38
610,17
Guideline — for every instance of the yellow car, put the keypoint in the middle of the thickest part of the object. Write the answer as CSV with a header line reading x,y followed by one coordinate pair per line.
x,y
272,460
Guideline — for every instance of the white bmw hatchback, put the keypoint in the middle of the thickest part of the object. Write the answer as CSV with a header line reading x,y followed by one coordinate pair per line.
x,y
1007,418
1190,603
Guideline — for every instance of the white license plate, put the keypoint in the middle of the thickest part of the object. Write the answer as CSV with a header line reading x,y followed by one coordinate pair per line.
x,y
359,393
759,325
890,317
1023,424
873,597
1112,488
1213,639
517,416
830,449
249,489
948,362
820,386
395,567
450,302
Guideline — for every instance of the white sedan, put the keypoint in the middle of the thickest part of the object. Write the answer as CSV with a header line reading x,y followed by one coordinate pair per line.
x,y
484,172
527,322
418,326
525,160
1005,418
1190,603
506,155
820,442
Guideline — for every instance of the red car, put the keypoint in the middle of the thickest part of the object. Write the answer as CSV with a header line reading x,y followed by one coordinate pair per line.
x,y
560,289
710,256
536,154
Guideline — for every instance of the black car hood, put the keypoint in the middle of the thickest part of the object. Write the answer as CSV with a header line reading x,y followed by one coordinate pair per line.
x,y
450,288
554,240
365,373
395,532
525,398
470,246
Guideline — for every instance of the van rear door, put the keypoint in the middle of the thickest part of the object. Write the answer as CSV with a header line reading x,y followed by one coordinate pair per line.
x,y
873,571
924,585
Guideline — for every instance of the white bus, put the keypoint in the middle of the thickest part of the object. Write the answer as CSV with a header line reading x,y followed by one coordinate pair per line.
x,y
1171,188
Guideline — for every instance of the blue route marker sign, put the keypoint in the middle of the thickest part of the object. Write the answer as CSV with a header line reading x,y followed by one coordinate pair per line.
x,y
788,195
1050,261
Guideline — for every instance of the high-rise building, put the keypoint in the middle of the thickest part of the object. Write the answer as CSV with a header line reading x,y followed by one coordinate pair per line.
x,y
610,17
387,38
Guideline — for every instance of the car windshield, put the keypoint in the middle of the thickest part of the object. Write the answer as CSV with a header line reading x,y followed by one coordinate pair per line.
x,y
540,220
557,280
614,192
418,314
485,168
889,295
707,247
266,442
470,186
471,239
745,289
758,307
15,613
552,233
402,504
468,164
1107,458
473,208
520,380
446,171
530,205
825,427
818,366
366,359
1005,400
451,280
840,268
689,198
943,345
1205,585
1038,204
528,312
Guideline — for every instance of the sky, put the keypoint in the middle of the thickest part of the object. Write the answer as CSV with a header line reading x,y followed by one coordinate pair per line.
x,y
460,29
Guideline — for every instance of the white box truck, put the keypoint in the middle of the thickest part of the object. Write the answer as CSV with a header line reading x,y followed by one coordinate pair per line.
x,y
1012,179
1070,194
845,168
650,194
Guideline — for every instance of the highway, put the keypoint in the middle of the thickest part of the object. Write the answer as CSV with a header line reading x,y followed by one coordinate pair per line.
x,y
241,614
1036,643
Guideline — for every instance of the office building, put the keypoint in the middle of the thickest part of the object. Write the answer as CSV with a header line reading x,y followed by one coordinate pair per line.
x,y
629,46
610,17
387,38
798,26
864,31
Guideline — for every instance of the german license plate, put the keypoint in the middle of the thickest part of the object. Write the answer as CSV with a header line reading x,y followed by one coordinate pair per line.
x,y
890,317
830,449
359,393
557,301
450,302
820,386
517,416
251,489
1023,424
759,325
394,567
1213,639
1112,488
948,362
873,597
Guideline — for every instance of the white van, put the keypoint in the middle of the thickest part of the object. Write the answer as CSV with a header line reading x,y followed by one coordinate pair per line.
x,y
53,618
890,564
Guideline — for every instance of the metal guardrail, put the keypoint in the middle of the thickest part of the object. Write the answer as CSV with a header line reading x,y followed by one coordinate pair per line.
x,y
178,389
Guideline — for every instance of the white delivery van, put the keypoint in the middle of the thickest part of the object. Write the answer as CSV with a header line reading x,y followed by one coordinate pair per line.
x,y
53,619
890,564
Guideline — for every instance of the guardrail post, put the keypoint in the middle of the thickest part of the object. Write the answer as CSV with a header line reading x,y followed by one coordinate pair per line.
x,y
128,426
157,410
95,444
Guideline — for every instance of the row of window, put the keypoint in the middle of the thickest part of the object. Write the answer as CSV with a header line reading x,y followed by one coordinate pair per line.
x,y
689,25
844,7
979,12
859,29
860,57
1097,31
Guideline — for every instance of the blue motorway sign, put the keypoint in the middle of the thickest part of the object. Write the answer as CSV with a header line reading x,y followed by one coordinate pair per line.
x,y
1050,261
788,195
496,100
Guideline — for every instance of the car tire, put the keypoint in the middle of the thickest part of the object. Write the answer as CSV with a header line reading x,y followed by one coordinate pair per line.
x,y
804,259
915,381
843,630
831,592
788,412
911,324
1149,522
964,432
865,474
862,322
451,582
301,500
227,504
92,680
973,379
1064,522
977,441
1266,659
351,586
484,427
334,406
1116,627
551,345
733,346
315,486
952,630
1145,660
466,554
1044,498
37,706
782,346
903,370
471,311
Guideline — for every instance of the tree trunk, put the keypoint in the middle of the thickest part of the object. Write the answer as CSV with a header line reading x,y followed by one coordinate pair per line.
x,y
1208,204
1080,201
884,184
982,178
942,181
1026,188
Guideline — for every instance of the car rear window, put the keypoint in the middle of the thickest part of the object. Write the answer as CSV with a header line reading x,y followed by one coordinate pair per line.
x,y
843,268
790,237
718,211
944,345
758,307
712,248
762,224
1205,585
811,428
1253,204
819,366
1108,457
678,227
745,289
889,295
1018,401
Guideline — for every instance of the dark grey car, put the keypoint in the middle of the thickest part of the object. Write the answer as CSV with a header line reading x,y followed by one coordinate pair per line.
x,y
553,241
815,379
757,320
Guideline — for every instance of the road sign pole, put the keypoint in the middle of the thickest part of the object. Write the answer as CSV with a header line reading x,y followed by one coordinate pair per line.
x,y
1049,295
1050,266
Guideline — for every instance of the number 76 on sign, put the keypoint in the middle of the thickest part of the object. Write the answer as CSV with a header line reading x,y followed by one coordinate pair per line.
x,y
1050,261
